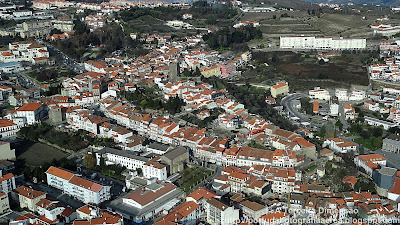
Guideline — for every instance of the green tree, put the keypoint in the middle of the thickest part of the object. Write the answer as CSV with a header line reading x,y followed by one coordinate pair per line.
x,y
365,134
55,31
187,73
339,125
377,142
139,170
90,161
376,132
322,132
361,150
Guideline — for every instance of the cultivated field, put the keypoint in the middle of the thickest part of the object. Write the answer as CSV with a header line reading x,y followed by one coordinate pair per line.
x,y
343,25
327,24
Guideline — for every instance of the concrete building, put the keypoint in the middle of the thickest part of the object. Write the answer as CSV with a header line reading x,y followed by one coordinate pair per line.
x,y
220,214
320,94
147,203
252,210
150,167
370,162
280,88
391,143
4,203
7,183
322,43
377,122
158,148
384,179
79,188
28,198
6,153
176,159
33,112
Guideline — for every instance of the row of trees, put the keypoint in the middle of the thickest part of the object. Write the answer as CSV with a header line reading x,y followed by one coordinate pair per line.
x,y
255,103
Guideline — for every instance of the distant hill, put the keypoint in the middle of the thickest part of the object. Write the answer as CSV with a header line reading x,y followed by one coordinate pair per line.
x,y
294,4
371,2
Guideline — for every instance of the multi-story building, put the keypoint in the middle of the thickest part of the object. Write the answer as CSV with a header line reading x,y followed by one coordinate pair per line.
x,y
340,145
7,183
252,210
220,214
28,198
26,51
280,88
82,189
341,94
33,112
322,43
187,213
391,143
370,162
370,105
275,218
150,167
4,203
320,94
147,203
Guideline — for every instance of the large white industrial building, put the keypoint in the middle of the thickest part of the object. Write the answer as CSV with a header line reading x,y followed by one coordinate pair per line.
x,y
322,43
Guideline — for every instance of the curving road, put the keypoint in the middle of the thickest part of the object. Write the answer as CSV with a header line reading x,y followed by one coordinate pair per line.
x,y
287,104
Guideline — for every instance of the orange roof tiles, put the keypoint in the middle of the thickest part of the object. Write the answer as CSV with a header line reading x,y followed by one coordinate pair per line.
x,y
202,193
66,175
30,107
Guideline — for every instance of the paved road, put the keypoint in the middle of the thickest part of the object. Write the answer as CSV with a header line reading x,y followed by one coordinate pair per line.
x,y
287,104
67,61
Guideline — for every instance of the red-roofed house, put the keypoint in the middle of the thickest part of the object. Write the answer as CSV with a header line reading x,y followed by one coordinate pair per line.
x,y
33,112
279,89
187,213
201,195
82,189
275,218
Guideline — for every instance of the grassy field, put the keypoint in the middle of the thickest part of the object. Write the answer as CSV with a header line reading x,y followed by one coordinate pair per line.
x,y
367,143
192,176
36,154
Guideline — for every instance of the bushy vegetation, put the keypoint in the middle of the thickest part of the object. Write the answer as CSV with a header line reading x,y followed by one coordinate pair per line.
x,y
74,141
51,74
203,123
38,172
163,13
200,10
231,37
109,38
109,170
255,103
191,177
144,98
212,12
